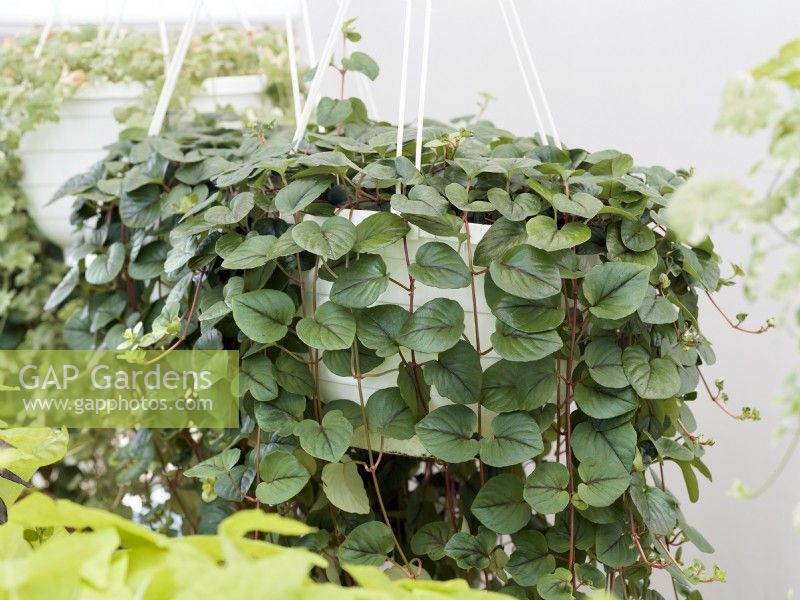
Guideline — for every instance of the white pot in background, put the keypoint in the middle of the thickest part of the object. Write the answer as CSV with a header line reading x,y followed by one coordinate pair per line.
x,y
54,152
333,387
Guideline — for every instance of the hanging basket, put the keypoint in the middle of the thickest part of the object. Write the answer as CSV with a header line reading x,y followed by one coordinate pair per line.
x,y
55,151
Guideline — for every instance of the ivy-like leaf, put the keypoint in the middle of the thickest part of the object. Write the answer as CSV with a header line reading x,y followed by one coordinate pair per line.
x,y
513,439
361,283
327,440
344,488
526,272
389,416
434,327
282,478
531,558
331,240
332,328
499,504
378,231
543,233
602,483
615,290
605,403
106,267
546,488
446,432
439,265
263,315
456,373
652,378
367,544
379,327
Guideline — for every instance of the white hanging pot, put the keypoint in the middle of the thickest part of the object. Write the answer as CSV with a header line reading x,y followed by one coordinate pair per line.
x,y
54,152
334,387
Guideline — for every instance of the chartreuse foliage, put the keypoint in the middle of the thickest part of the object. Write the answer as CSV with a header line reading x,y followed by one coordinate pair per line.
x,y
57,549
533,446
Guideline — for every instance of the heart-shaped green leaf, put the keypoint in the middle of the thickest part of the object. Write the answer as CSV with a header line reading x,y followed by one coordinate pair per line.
x,y
515,345
105,267
602,482
603,356
439,265
652,378
511,386
431,539
300,193
471,551
526,272
331,328
280,415
580,204
327,440
521,313
531,558
499,504
344,488
282,478
446,432
378,327
543,233
421,200
514,438
456,374
615,444
434,327
636,236
605,403
239,207
379,231
556,586
520,208
263,315
367,544
331,240
360,284
657,310
257,375
250,254
615,290
502,236
546,488
389,416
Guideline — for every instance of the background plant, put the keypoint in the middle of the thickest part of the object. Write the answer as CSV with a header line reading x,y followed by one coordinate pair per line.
x,y
31,93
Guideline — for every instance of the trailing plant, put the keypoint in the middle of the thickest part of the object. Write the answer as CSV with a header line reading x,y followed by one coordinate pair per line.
x,y
538,442
763,100
32,91
60,549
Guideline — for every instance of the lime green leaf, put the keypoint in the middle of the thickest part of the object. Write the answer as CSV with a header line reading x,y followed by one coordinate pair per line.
x,y
361,283
526,272
653,379
367,544
282,478
263,315
434,327
446,432
546,488
331,328
499,504
456,373
614,290
344,488
331,240
602,483
543,233
513,439
439,265
327,440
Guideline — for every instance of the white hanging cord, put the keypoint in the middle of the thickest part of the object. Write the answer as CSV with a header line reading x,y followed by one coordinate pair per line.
x,y
37,53
423,82
242,17
316,83
524,74
115,27
210,17
312,57
529,55
293,65
401,105
171,78
162,34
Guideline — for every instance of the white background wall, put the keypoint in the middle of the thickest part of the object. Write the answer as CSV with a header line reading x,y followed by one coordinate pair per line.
x,y
644,77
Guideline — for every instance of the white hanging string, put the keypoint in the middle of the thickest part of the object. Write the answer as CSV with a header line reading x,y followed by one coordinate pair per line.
x,y
37,53
171,78
242,17
423,82
535,72
312,57
524,74
316,83
293,65
115,27
401,104
162,34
